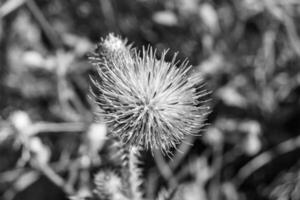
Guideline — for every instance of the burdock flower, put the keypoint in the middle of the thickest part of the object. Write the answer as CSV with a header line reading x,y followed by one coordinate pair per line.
x,y
147,101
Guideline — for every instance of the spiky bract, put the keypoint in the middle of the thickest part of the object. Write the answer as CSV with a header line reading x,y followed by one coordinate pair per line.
x,y
109,185
112,50
146,101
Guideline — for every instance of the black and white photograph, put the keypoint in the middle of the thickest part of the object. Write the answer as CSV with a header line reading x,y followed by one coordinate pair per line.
x,y
150,100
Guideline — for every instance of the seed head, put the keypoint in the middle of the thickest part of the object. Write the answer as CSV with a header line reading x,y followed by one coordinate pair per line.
x,y
147,101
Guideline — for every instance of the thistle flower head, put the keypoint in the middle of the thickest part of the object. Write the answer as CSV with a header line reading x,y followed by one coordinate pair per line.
x,y
147,101
108,185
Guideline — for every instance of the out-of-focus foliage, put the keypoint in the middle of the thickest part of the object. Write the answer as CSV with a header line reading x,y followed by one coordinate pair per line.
x,y
247,51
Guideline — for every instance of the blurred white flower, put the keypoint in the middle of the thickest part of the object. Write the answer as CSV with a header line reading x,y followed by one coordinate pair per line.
x,y
40,152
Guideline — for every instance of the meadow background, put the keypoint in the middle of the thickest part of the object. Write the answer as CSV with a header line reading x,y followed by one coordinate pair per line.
x,y
246,51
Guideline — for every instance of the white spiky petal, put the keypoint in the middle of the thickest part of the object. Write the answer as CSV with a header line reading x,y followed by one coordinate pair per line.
x,y
149,102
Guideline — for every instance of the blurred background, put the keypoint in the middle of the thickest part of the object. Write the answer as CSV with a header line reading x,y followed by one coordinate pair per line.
x,y
247,51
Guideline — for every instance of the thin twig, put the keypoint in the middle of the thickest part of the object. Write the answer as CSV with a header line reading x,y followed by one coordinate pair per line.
x,y
164,169
287,21
22,182
10,6
216,168
46,127
47,171
265,158
45,25
292,33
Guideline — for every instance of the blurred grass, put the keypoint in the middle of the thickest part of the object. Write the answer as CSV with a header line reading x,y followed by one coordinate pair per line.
x,y
246,50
